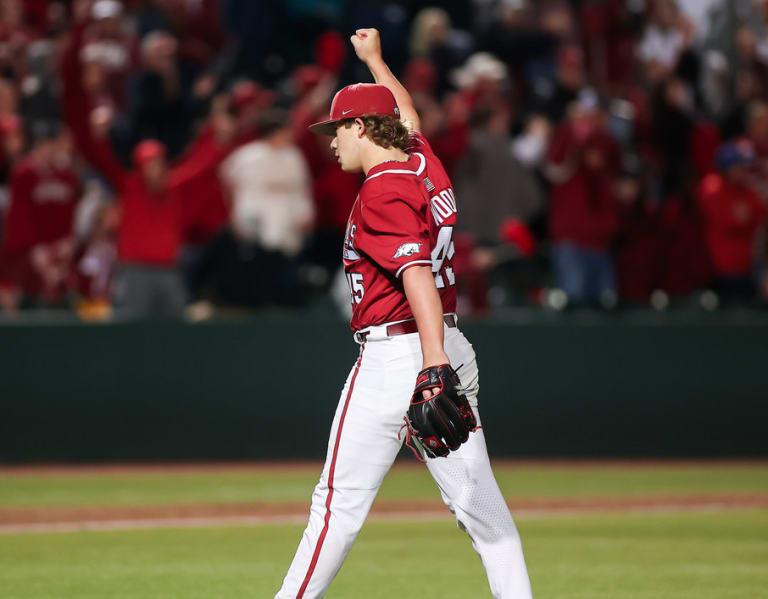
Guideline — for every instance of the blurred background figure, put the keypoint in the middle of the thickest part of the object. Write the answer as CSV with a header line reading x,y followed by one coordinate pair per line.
x,y
553,97
492,187
582,161
434,39
158,100
96,224
667,34
38,239
150,200
735,217
254,261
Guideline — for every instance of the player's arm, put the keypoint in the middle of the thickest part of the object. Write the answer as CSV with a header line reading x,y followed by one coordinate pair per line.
x,y
368,49
424,300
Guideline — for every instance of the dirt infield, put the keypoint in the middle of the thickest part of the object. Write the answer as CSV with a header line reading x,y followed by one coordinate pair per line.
x,y
298,466
109,517
50,519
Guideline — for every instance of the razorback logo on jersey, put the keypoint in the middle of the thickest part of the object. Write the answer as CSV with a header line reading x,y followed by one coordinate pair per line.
x,y
407,249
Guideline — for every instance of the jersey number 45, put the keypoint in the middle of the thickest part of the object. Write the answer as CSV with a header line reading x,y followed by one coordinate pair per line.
x,y
443,251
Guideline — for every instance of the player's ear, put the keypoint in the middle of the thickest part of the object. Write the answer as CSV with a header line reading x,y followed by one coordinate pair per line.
x,y
361,128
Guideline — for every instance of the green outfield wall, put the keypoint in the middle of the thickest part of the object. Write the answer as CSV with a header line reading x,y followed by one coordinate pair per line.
x,y
267,388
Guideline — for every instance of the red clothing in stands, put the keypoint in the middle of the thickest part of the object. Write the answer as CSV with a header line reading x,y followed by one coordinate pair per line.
x,y
583,208
151,223
450,145
42,206
206,206
733,215
334,192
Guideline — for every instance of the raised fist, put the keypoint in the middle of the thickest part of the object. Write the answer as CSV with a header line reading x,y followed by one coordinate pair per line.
x,y
224,127
101,120
81,10
367,44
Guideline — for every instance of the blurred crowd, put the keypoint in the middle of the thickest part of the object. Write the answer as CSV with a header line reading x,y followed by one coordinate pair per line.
x,y
155,159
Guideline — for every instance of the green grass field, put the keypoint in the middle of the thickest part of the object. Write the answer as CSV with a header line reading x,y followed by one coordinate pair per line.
x,y
524,481
649,555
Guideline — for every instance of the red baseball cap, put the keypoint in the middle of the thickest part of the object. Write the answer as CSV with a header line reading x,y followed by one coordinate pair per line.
x,y
354,101
146,151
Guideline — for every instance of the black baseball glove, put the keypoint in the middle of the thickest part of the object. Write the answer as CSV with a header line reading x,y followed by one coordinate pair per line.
x,y
442,422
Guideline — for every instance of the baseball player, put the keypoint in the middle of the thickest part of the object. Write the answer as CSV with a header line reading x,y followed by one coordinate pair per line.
x,y
398,261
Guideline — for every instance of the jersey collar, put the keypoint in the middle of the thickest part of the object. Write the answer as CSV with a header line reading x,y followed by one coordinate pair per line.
x,y
413,166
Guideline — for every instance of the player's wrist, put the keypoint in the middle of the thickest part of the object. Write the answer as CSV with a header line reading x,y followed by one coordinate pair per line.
x,y
375,63
435,359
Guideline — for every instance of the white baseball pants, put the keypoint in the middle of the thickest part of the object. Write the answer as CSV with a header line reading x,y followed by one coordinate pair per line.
x,y
363,444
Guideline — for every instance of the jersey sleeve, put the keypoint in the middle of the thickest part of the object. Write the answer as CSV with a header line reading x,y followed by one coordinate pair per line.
x,y
394,234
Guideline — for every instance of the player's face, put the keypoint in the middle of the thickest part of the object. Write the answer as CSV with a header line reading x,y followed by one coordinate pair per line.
x,y
346,147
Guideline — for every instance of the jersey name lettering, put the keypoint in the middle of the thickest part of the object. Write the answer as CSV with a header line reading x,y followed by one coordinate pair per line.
x,y
349,243
443,205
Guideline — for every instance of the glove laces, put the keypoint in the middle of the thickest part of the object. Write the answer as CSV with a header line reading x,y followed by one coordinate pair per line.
x,y
410,441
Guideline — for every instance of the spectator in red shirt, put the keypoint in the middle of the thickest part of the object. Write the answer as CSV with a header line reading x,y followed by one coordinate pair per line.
x,y
734,217
151,218
38,238
582,163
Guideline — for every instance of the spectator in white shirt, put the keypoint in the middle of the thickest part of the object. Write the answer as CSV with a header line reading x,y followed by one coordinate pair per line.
x,y
666,36
269,183
255,261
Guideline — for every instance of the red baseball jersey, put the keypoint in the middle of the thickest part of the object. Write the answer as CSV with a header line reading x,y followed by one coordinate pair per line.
x,y
404,216
42,207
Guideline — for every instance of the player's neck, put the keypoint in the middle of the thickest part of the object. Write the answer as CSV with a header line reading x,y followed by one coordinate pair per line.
x,y
374,155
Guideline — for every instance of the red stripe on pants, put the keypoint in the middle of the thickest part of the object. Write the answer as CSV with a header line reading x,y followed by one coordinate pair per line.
x,y
331,470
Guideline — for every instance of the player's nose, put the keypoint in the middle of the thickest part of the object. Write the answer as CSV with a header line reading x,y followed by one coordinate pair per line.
x,y
334,143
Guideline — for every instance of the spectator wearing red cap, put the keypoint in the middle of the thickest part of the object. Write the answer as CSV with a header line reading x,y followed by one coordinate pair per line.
x,y
734,218
38,238
151,198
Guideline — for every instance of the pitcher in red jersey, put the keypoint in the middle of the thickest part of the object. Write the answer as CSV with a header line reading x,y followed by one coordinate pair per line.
x,y
397,253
